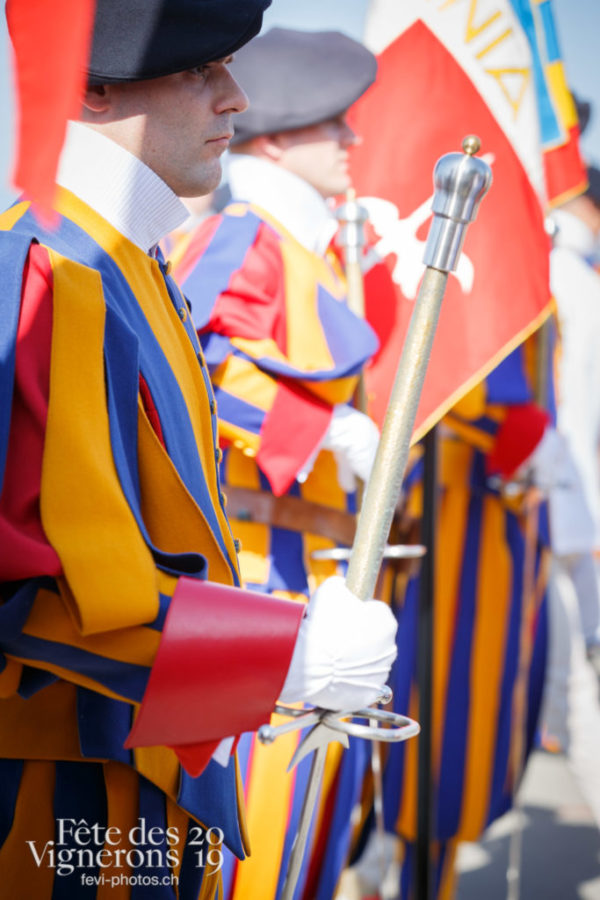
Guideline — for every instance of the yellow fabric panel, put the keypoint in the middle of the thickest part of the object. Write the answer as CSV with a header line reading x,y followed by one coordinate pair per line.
x,y
185,528
455,462
243,379
77,502
472,405
487,668
49,620
306,345
147,283
268,792
178,820
242,471
449,875
407,816
557,81
10,678
322,485
11,216
160,766
122,796
44,725
22,879
531,598
265,347
472,435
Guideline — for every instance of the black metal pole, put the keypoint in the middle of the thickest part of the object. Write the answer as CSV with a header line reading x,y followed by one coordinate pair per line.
x,y
425,805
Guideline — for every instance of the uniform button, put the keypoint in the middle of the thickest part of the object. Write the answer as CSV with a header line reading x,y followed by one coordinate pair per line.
x,y
213,407
237,544
218,454
183,313
168,267
223,499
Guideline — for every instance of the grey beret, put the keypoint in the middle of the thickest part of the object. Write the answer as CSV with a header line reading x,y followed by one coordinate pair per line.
x,y
134,40
298,78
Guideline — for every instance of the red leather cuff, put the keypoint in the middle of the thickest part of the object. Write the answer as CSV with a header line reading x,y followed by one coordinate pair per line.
x,y
517,438
220,666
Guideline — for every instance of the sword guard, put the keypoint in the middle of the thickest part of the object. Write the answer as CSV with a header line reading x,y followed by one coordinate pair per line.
x,y
320,735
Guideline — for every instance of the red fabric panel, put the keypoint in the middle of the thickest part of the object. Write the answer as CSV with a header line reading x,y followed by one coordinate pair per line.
x,y
253,306
51,43
517,438
221,663
291,431
24,549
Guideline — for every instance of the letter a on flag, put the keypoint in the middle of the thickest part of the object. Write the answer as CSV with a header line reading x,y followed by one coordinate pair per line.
x,y
449,68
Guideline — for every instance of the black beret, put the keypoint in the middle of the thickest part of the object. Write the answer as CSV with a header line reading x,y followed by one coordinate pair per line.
x,y
297,78
584,112
134,40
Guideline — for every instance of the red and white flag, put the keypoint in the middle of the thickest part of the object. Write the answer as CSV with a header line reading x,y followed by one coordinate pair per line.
x,y
449,68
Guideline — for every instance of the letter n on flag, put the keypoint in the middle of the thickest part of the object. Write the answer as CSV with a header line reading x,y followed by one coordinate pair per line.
x,y
449,68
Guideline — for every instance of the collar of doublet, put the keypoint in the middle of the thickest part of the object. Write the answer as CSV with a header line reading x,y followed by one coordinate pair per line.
x,y
289,199
123,190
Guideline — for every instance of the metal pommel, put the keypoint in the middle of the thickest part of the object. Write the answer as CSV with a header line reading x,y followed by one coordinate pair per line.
x,y
352,217
461,180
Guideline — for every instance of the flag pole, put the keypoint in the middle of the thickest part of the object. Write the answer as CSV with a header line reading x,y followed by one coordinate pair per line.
x,y
461,181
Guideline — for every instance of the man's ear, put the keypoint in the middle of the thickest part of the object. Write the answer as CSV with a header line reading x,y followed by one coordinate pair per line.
x,y
97,98
271,146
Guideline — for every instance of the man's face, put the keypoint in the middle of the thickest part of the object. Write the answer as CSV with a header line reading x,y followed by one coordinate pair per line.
x,y
319,154
179,125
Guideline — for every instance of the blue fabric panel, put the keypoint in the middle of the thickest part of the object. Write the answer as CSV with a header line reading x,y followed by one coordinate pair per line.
x,y
122,389
287,572
104,724
211,799
300,787
79,794
191,875
121,677
347,335
15,250
233,409
352,772
402,674
212,273
10,782
216,348
456,718
152,814
508,383
34,680
500,793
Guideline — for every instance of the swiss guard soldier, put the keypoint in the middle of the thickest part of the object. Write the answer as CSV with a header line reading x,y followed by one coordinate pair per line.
x,y
118,566
267,296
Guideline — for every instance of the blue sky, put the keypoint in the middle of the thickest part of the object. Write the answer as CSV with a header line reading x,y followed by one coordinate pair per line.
x,y
578,24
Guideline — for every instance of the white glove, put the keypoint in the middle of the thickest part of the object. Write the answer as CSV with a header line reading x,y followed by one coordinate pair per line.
x,y
352,437
344,650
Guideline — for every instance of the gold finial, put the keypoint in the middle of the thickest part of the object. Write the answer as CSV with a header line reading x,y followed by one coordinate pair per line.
x,y
350,194
471,144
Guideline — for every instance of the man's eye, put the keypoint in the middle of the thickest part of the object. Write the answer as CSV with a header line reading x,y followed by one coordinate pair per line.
x,y
199,70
